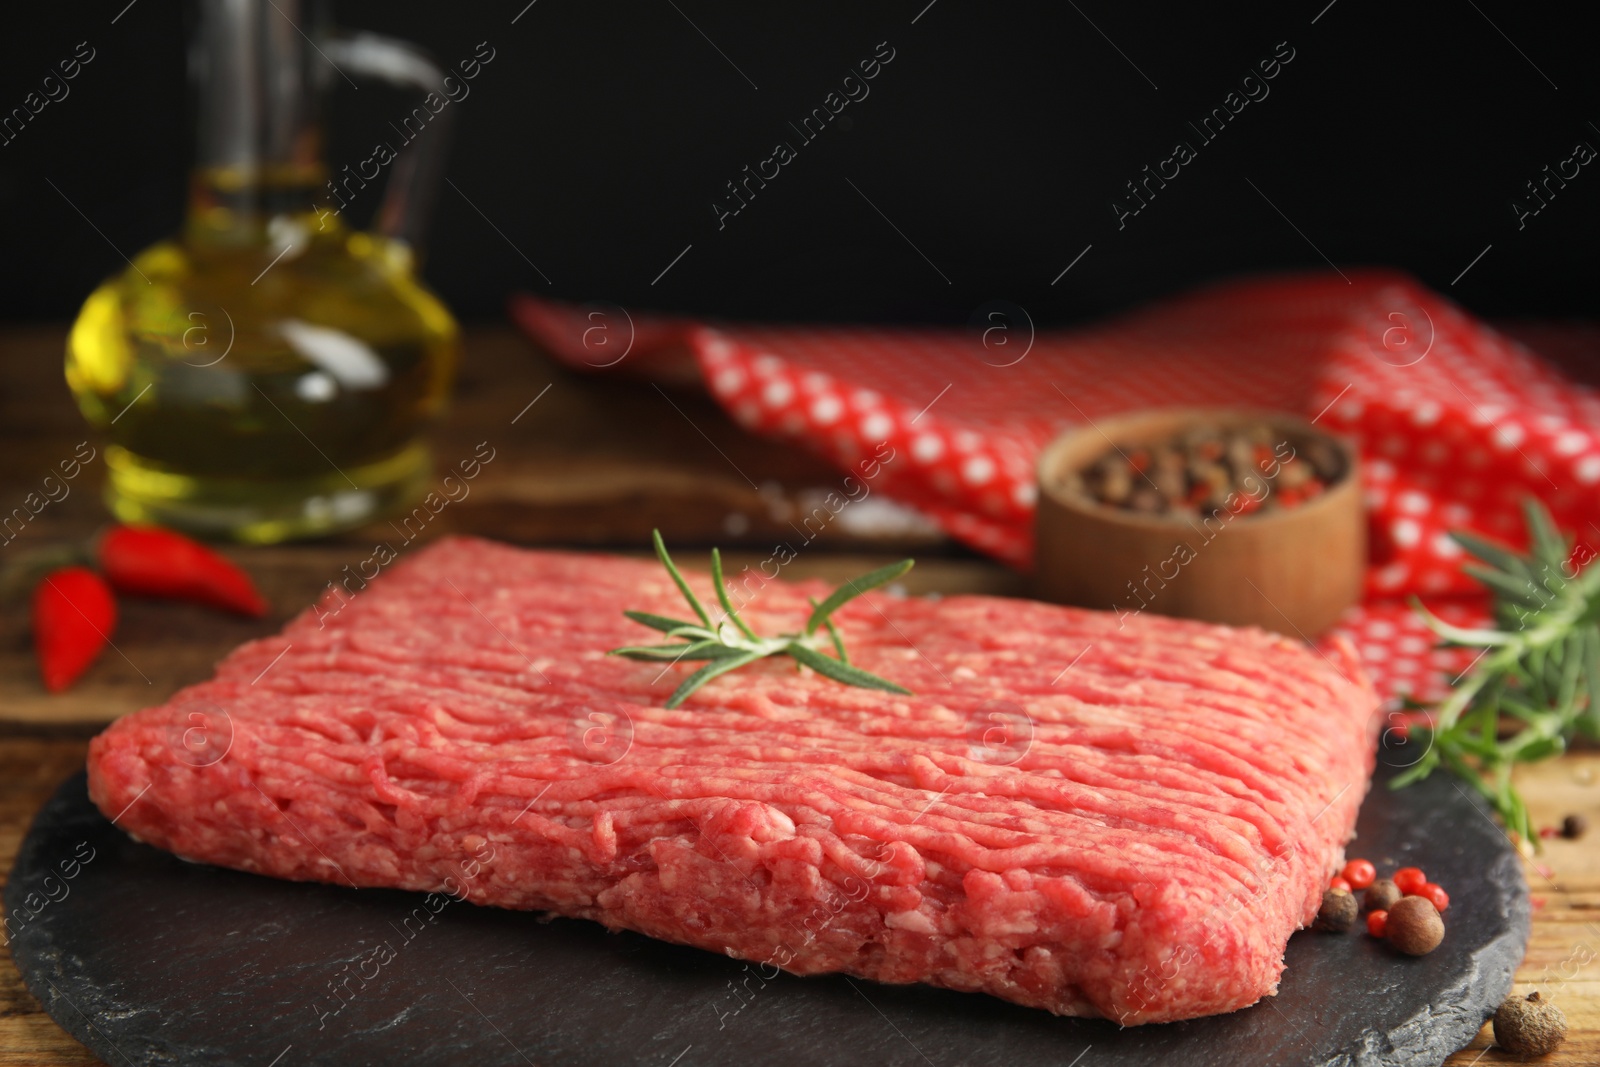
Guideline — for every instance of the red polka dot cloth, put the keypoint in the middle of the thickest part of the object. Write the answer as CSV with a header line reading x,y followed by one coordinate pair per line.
x,y
1457,422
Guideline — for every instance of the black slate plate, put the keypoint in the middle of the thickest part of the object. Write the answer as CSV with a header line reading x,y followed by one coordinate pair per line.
x,y
150,960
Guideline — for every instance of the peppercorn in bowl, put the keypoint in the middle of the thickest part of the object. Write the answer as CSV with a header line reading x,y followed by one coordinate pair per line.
x,y
1240,517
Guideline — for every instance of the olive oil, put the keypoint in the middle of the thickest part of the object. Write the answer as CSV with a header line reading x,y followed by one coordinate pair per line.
x,y
268,373
263,400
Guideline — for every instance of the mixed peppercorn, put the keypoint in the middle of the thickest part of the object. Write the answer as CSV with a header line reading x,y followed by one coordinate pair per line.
x,y
1208,471
1403,909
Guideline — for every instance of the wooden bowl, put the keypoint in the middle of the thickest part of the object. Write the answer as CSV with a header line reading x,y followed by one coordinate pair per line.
x,y
1292,569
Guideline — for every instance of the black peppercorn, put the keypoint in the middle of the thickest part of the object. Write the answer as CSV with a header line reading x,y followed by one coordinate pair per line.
x,y
1338,911
1381,895
1414,926
1529,1026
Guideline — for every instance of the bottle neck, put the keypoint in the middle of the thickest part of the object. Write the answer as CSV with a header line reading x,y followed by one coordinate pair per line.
x,y
239,206
258,152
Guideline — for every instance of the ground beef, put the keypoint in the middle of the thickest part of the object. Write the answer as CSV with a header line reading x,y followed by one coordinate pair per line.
x,y
1091,815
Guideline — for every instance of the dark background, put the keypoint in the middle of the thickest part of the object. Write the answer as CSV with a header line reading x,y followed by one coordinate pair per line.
x,y
995,141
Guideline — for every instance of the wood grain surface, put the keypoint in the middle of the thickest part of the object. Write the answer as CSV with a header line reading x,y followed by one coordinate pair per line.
x,y
593,463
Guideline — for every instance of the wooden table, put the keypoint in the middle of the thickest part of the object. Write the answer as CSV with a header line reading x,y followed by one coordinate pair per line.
x,y
595,463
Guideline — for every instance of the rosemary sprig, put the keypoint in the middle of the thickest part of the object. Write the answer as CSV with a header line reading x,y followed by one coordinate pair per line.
x,y
1539,669
729,643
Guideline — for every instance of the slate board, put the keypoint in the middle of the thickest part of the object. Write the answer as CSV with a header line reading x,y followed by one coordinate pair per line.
x,y
150,960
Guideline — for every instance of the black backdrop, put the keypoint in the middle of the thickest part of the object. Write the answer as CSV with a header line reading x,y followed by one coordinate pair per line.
x,y
986,158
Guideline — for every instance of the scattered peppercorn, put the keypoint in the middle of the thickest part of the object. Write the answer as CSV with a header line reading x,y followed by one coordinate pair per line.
x,y
1359,873
1436,895
1338,882
1338,911
1410,879
1529,1026
1377,921
1413,926
1382,895
1573,827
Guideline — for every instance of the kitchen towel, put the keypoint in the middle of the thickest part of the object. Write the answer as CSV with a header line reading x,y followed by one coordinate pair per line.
x,y
1457,421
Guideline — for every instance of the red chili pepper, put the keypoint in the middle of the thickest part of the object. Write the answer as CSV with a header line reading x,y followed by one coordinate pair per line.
x,y
1359,873
150,561
73,616
1409,880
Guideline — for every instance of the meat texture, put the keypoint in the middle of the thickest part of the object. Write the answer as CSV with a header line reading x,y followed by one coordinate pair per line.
x,y
1093,815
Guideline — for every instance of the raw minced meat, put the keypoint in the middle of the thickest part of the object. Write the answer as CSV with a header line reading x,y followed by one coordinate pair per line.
x,y
1091,815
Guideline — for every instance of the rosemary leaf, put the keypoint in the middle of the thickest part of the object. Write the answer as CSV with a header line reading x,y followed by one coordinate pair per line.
x,y
847,673
1496,556
722,595
1589,721
683,586
729,643
1517,587
673,653
833,634
853,588
1539,669
710,671
657,622
1549,547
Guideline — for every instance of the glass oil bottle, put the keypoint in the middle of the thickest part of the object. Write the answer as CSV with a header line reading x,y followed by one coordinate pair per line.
x,y
269,373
